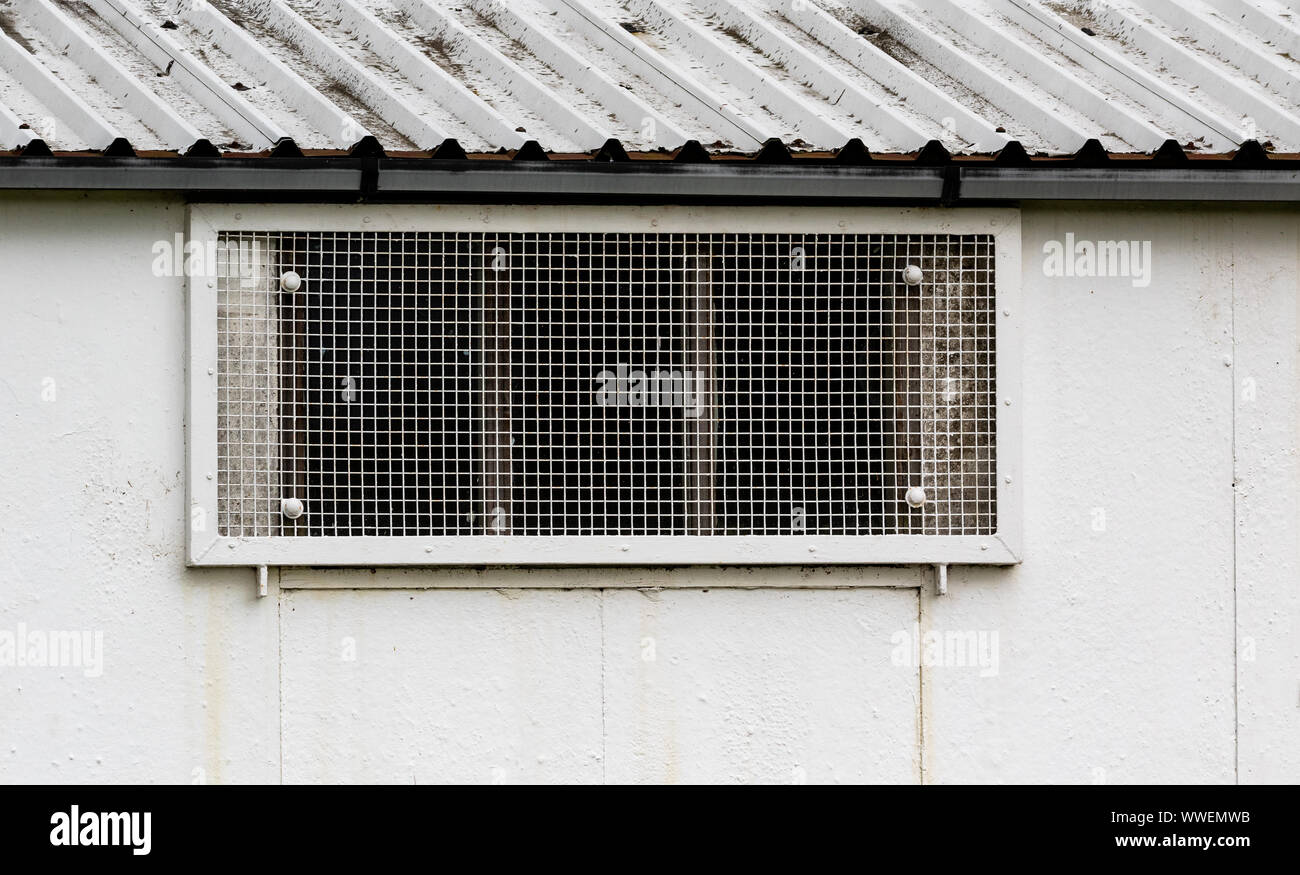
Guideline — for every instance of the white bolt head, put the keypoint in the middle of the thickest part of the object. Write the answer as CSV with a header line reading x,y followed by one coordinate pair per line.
x,y
291,507
912,275
916,496
290,281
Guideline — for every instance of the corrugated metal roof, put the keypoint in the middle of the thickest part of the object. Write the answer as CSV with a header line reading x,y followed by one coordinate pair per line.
x,y
653,74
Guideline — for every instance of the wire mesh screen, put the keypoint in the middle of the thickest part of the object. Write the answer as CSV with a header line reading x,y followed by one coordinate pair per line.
x,y
606,384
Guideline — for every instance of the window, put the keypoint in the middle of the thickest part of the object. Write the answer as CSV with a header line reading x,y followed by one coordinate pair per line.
x,y
593,385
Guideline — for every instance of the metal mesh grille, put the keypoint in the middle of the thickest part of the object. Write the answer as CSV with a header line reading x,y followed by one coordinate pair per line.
x,y
605,384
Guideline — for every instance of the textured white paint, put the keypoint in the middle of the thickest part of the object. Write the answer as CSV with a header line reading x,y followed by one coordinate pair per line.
x,y
433,687
771,686
1117,644
1266,315
92,517
1117,648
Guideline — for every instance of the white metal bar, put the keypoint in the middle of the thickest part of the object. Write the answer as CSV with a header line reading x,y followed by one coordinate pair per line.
x,y
193,76
339,65
660,71
503,218
503,578
434,81
508,76
339,127
151,110
1021,105
1063,86
813,71
12,134
1122,74
1209,32
727,63
626,106
602,550
1268,114
919,93
70,109
201,390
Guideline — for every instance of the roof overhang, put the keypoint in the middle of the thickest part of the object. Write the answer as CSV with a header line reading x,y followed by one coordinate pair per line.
x,y
379,178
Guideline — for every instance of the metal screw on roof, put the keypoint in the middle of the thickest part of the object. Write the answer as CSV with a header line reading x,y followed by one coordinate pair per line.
x,y
290,281
912,275
291,507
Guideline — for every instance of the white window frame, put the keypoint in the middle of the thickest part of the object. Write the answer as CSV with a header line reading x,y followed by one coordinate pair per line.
x,y
206,547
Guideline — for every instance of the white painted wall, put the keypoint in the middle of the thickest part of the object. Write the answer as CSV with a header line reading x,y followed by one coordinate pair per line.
x,y
1162,647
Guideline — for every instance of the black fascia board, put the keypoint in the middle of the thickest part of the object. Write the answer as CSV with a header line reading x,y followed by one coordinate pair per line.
x,y
384,179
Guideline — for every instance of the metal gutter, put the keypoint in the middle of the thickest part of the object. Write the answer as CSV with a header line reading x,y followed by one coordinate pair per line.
x,y
176,174
375,178
1021,184
664,180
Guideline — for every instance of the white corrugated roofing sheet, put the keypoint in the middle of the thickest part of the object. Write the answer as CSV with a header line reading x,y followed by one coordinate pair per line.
x,y
571,74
